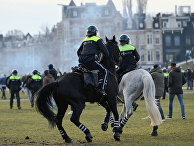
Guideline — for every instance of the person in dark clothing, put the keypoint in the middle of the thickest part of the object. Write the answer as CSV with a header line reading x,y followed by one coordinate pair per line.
x,y
158,78
89,52
130,57
13,83
3,86
52,71
175,83
35,84
165,83
188,75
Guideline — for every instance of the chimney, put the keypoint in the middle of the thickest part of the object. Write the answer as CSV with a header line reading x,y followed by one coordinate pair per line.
x,y
175,10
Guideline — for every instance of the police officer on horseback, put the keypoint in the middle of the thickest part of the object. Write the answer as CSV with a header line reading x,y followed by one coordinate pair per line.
x,y
129,54
91,47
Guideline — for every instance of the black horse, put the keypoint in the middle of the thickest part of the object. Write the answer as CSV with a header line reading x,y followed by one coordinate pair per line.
x,y
70,90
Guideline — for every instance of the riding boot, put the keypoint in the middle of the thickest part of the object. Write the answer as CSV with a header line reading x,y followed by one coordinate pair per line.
x,y
102,87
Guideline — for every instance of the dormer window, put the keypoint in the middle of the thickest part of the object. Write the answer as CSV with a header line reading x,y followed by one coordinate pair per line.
x,y
74,13
156,25
141,25
106,12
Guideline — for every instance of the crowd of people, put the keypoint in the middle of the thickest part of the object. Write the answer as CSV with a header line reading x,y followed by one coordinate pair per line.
x,y
29,83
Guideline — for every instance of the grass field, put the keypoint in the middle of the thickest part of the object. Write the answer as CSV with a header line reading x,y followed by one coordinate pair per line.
x,y
16,125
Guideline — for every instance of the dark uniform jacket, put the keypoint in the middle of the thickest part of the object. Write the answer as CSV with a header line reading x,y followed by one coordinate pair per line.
x,y
130,57
36,82
91,46
14,83
175,81
158,78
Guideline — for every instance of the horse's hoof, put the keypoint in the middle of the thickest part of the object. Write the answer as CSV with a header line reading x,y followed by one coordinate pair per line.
x,y
89,137
116,136
154,133
120,130
68,140
104,126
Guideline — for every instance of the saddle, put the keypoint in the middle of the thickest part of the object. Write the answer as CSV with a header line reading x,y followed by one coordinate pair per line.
x,y
90,77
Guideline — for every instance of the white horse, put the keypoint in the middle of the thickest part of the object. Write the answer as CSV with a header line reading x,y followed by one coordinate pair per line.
x,y
133,86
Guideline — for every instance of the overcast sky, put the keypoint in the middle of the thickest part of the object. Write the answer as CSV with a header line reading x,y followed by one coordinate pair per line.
x,y
33,15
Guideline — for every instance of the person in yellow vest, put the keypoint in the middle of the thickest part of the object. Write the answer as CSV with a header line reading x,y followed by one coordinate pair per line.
x,y
129,54
14,86
35,84
91,47
58,73
165,73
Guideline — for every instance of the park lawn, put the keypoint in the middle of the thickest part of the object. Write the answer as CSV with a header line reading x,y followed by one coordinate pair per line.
x,y
16,125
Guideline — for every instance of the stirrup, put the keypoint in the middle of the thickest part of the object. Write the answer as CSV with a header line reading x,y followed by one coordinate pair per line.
x,y
102,92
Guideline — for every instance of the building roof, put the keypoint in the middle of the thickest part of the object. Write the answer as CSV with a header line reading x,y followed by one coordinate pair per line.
x,y
72,3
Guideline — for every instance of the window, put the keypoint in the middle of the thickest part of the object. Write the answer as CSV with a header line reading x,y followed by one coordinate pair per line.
x,y
141,25
106,12
157,41
177,40
129,24
184,23
168,40
142,57
141,39
188,40
156,25
150,56
164,24
179,24
74,13
158,56
149,38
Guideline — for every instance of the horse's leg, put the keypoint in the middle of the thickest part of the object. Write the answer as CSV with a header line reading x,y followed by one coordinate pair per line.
x,y
104,125
77,110
113,106
129,112
154,132
59,119
122,113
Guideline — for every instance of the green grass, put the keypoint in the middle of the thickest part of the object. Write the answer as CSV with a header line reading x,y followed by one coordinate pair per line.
x,y
16,125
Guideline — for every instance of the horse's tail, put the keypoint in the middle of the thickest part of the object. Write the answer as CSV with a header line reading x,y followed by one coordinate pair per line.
x,y
149,96
43,103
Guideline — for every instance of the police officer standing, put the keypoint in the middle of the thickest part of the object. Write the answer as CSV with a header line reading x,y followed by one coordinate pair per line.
x,y
92,46
13,84
129,54
35,84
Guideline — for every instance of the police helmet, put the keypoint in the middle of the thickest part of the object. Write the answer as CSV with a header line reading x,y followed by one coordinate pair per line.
x,y
124,39
50,66
164,70
91,31
35,72
14,72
